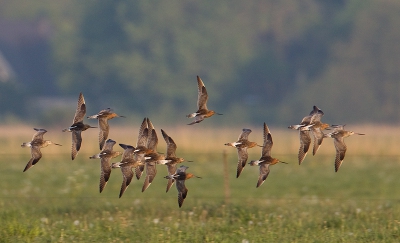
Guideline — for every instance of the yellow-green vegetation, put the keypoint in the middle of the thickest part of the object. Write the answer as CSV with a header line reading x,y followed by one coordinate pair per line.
x,y
57,200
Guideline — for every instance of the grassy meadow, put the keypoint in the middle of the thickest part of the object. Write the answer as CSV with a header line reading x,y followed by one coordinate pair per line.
x,y
58,200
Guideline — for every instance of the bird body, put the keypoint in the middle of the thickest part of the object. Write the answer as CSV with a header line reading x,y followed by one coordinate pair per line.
x,y
78,126
151,156
36,144
266,160
338,136
103,116
312,123
105,156
242,144
180,177
171,158
127,163
202,111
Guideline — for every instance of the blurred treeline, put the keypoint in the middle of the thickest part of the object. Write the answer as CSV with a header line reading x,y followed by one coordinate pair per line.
x,y
261,60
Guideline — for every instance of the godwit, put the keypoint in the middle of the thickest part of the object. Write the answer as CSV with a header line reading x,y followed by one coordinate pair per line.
x,y
36,144
171,149
103,116
338,135
152,157
242,144
266,160
202,98
181,176
307,124
78,126
105,155
141,146
127,163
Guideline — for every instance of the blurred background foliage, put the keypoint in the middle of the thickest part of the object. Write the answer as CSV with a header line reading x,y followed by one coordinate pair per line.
x,y
260,60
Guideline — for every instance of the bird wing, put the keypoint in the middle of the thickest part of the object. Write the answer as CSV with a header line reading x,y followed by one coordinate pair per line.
x,y
128,154
264,172
152,140
38,136
151,172
202,95
197,119
108,146
171,145
318,138
267,146
104,129
127,175
245,134
80,110
139,171
105,171
171,170
76,143
242,159
143,134
340,151
181,169
182,191
36,155
316,111
305,141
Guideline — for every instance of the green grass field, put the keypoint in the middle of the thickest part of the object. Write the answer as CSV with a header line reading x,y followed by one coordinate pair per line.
x,y
58,200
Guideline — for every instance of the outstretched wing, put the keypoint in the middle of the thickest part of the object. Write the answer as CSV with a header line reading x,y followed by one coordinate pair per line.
x,y
80,110
264,172
245,134
305,141
182,191
171,145
151,172
202,95
267,146
242,159
36,155
104,129
38,136
127,175
105,172
340,151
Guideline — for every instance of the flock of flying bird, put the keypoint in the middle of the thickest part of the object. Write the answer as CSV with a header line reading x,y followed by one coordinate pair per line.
x,y
145,156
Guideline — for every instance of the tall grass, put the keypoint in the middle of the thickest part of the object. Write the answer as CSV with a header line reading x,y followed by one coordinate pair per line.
x,y
57,200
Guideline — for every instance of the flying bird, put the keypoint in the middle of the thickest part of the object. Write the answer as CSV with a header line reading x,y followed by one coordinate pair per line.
x,y
78,126
152,158
181,176
202,98
171,156
36,144
266,160
105,155
242,144
338,135
103,116
141,146
127,163
305,126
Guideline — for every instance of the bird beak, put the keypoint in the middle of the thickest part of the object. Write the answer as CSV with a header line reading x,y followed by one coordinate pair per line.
x,y
283,162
